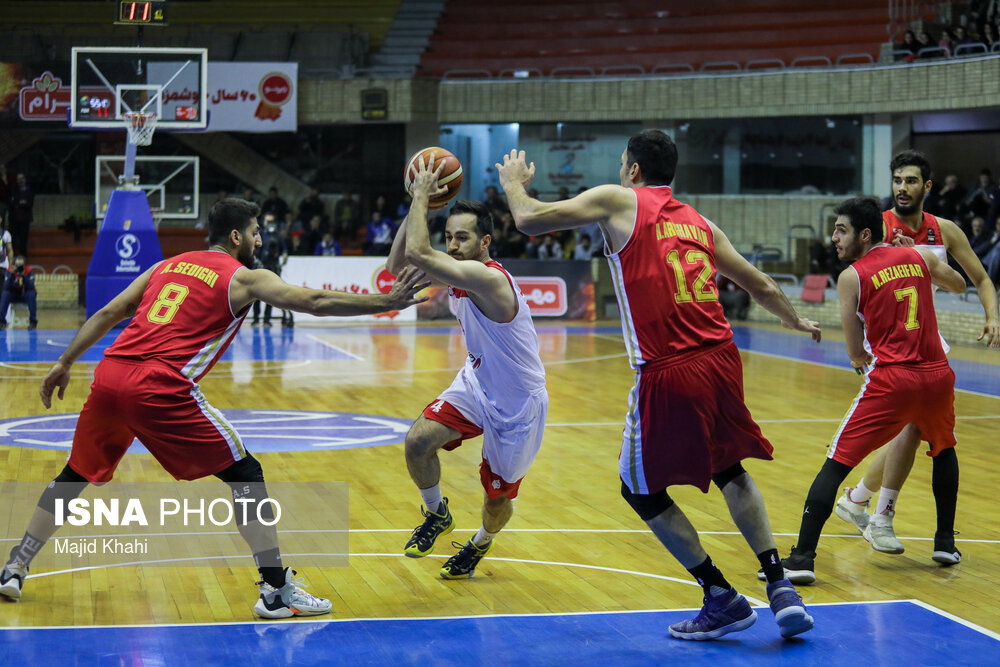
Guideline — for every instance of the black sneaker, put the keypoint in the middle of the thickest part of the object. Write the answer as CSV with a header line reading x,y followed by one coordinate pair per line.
x,y
421,542
32,325
799,568
945,551
463,564
12,579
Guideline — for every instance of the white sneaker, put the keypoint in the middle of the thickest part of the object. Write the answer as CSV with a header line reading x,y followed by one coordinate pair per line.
x,y
12,579
853,512
289,600
879,532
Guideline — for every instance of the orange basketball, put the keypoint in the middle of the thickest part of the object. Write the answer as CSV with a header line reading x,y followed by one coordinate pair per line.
x,y
451,175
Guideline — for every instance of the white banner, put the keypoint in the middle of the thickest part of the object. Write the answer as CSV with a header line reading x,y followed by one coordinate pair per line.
x,y
356,275
253,97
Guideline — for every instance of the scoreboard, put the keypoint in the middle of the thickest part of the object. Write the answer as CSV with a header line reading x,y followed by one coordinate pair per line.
x,y
141,13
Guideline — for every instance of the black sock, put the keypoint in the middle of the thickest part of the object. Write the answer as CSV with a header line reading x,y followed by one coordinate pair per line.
x,y
707,575
270,568
771,564
819,505
944,482
27,549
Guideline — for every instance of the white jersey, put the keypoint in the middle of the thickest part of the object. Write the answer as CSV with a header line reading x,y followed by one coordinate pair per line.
x,y
503,356
5,238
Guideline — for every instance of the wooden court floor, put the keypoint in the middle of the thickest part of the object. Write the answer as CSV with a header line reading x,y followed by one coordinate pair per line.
x,y
573,544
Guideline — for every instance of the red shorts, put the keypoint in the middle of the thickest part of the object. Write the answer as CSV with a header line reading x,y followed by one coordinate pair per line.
x,y
892,397
687,419
165,411
443,412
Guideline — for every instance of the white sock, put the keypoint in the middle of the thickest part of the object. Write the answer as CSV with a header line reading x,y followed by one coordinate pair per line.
x,y
860,493
886,500
483,537
432,498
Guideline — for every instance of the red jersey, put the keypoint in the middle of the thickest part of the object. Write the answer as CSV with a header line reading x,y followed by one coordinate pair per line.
x,y
928,234
896,303
664,278
185,319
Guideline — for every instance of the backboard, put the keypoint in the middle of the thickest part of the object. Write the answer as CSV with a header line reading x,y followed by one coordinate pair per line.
x,y
108,82
169,181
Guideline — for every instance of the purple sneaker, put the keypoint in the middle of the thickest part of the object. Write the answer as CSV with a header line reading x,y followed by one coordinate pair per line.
x,y
789,610
721,614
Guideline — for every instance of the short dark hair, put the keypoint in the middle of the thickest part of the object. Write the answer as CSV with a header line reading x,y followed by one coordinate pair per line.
x,y
912,159
484,219
864,213
229,214
656,155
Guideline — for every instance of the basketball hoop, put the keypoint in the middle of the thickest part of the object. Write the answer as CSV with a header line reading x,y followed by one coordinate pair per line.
x,y
140,126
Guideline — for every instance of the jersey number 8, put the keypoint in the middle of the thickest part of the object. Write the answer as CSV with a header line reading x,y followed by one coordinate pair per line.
x,y
169,300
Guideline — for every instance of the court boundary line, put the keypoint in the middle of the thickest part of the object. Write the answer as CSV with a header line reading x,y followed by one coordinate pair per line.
x,y
335,347
298,621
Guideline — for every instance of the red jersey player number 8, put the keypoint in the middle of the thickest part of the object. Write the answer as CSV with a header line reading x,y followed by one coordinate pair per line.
x,y
167,302
702,288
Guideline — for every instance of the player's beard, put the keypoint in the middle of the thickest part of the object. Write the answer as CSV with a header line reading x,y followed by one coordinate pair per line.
x,y
245,255
915,205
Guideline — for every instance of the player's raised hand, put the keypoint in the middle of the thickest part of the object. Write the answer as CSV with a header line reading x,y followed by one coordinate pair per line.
x,y
425,180
515,170
404,291
58,376
810,327
991,332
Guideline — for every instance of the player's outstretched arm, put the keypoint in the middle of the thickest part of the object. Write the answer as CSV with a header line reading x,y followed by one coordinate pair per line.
x,y
269,288
942,275
761,286
397,254
94,329
534,217
848,293
959,248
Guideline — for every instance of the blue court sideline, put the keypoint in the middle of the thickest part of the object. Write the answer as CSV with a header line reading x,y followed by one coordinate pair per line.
x,y
855,634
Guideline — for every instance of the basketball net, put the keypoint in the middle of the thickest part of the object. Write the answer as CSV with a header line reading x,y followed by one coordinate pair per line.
x,y
140,126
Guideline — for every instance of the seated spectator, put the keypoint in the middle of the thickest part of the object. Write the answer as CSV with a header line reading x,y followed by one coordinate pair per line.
x,y
947,40
494,201
312,206
378,235
549,248
992,259
274,204
925,41
962,37
6,246
910,44
734,299
298,247
312,236
250,195
983,198
989,36
328,247
346,217
583,249
19,287
981,238
948,200
404,207
563,193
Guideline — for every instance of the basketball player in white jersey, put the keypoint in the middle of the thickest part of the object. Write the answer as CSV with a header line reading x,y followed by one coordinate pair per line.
x,y
500,393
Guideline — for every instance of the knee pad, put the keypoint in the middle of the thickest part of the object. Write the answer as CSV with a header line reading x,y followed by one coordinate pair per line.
x,y
729,474
246,479
647,505
67,485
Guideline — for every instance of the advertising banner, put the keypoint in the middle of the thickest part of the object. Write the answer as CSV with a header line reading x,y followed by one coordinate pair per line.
x,y
356,275
253,97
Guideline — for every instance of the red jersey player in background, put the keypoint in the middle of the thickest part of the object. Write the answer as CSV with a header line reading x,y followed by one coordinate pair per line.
x,y
186,309
887,310
906,223
687,421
